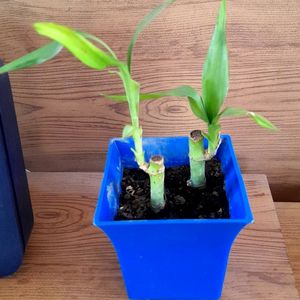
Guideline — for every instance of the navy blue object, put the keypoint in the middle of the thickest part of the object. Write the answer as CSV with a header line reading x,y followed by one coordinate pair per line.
x,y
171,259
16,219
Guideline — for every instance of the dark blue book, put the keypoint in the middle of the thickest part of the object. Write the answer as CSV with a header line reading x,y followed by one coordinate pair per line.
x,y
16,218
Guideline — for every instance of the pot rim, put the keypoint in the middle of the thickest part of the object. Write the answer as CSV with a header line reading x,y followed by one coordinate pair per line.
x,y
243,221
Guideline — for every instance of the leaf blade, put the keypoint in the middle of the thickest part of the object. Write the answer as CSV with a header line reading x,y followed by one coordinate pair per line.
x,y
181,91
198,109
79,46
262,121
36,57
215,74
99,41
240,112
233,112
142,25
185,91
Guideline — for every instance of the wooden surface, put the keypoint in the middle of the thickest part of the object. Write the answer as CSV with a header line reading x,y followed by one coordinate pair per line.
x,y
65,125
289,217
68,258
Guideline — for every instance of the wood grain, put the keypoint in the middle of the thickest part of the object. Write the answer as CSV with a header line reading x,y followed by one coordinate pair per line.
x,y
288,214
68,258
65,125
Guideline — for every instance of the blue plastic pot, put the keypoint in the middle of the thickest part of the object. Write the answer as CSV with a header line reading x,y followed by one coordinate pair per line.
x,y
171,259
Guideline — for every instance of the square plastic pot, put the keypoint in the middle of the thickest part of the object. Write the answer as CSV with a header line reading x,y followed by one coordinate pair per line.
x,y
171,259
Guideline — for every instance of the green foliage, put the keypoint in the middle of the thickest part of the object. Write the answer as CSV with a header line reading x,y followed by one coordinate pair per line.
x,y
132,90
215,82
142,25
97,40
182,91
240,112
231,112
261,121
215,75
36,57
185,91
78,45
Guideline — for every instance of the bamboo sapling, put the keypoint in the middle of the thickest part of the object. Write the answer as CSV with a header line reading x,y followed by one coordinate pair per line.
x,y
82,46
215,82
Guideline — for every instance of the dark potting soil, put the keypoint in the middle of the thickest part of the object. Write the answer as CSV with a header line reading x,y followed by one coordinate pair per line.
x,y
182,201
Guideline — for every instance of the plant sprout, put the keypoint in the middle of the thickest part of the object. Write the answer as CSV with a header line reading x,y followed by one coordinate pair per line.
x,y
215,82
100,58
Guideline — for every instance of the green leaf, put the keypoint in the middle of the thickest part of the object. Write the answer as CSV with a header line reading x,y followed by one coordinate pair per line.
x,y
240,112
78,45
185,91
127,131
99,41
142,25
123,98
36,57
261,121
116,98
233,112
215,75
230,112
198,109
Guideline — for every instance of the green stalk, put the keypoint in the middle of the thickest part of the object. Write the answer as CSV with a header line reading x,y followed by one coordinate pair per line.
x,y
197,159
132,90
156,171
138,152
155,168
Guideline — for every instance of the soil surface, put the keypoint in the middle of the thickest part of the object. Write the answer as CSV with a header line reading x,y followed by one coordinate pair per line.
x,y
182,201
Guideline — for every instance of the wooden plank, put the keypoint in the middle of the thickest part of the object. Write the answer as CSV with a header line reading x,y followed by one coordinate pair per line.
x,y
68,258
288,214
65,125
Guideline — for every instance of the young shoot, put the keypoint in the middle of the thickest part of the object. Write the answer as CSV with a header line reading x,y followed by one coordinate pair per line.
x,y
197,159
99,58
156,171
215,83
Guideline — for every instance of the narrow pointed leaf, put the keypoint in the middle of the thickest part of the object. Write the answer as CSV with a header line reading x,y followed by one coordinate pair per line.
x,y
36,57
215,71
240,112
142,25
262,121
123,98
78,45
197,107
97,40
233,112
116,98
127,131
185,91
